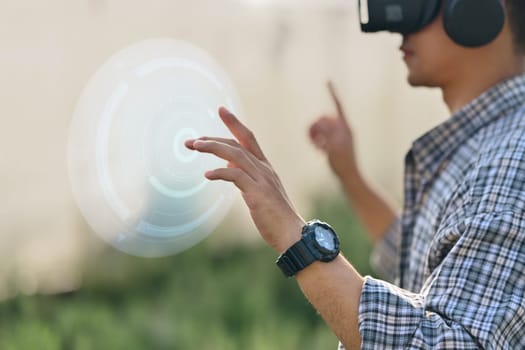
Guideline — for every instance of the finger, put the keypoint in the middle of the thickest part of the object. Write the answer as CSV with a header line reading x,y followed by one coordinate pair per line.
x,y
338,105
231,142
227,152
189,144
316,127
320,142
320,127
236,175
316,135
241,133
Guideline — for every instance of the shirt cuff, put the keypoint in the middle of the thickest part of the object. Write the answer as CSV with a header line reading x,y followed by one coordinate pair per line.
x,y
388,315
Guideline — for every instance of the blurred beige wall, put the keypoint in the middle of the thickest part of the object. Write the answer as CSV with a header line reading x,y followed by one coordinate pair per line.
x,y
278,53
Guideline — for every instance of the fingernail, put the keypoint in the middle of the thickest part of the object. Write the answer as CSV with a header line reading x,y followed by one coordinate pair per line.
x,y
189,143
198,143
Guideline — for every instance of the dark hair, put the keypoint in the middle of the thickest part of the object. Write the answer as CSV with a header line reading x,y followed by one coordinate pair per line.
x,y
516,15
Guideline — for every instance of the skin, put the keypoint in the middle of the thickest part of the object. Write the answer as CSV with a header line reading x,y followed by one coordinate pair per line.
x,y
332,135
334,288
462,74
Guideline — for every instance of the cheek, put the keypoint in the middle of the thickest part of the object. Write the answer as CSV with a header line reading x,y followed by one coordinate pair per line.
x,y
436,56
435,50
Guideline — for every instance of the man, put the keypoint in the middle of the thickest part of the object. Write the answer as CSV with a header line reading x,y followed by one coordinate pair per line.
x,y
457,254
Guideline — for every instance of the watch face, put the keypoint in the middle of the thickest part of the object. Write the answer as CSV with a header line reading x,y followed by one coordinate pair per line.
x,y
325,238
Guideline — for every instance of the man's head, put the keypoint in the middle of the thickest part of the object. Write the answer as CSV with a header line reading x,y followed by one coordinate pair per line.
x,y
434,59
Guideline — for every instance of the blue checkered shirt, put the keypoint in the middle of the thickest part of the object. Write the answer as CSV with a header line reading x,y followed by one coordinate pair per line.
x,y
456,257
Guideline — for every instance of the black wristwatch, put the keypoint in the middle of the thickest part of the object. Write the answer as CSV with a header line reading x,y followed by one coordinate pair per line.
x,y
319,242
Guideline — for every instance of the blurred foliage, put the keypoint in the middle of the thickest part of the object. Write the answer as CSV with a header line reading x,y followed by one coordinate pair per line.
x,y
232,297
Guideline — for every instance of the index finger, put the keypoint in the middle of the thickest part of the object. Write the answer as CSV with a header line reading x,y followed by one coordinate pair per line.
x,y
338,105
241,133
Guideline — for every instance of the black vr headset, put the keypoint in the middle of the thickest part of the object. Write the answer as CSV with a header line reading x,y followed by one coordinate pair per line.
x,y
470,23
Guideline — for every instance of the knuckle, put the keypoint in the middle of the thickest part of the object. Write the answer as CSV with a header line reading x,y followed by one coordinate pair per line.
x,y
235,172
237,152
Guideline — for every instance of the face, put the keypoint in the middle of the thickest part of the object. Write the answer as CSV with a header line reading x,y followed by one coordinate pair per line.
x,y
432,58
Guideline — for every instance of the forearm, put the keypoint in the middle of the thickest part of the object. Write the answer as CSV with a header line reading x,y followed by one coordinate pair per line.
x,y
388,316
374,212
334,289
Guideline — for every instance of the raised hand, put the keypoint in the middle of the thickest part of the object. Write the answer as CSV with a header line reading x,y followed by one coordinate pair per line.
x,y
270,208
332,135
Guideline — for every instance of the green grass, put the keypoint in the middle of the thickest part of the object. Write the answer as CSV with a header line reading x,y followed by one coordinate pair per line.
x,y
233,297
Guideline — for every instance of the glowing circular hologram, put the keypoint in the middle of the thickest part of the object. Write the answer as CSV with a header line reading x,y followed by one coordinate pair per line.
x,y
135,182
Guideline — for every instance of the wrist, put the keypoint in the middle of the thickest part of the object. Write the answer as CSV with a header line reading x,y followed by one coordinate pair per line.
x,y
318,242
291,234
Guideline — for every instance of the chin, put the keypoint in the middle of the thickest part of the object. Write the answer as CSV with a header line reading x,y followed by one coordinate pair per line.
x,y
422,80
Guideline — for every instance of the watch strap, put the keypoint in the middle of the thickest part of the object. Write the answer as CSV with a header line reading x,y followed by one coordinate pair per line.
x,y
296,258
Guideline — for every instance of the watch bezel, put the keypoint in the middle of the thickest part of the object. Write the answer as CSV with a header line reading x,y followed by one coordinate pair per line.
x,y
323,254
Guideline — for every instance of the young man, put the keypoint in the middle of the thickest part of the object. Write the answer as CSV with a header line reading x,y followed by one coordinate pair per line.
x,y
457,255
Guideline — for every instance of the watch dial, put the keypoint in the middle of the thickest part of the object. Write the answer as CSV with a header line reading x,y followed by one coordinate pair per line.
x,y
324,238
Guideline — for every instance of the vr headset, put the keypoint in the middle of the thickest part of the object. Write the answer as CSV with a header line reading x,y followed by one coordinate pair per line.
x,y
470,23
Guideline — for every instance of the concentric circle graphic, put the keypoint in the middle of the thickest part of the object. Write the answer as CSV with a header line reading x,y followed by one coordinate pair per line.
x,y
135,182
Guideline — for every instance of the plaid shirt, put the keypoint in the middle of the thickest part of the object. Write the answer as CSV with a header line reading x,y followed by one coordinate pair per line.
x,y
456,257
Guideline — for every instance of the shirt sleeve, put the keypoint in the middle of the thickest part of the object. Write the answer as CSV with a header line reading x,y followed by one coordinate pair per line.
x,y
385,256
474,297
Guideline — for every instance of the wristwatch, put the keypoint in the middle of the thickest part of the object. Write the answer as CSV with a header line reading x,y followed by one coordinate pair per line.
x,y
319,242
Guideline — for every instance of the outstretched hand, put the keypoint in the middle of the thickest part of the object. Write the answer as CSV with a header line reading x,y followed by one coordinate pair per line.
x,y
333,136
270,208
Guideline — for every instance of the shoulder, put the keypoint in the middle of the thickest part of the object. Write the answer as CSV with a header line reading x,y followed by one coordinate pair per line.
x,y
496,177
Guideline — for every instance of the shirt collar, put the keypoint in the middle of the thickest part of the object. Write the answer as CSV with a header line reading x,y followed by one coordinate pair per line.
x,y
435,146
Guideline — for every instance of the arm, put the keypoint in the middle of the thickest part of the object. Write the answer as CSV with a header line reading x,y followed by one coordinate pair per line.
x,y
373,210
334,289
333,136
473,298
